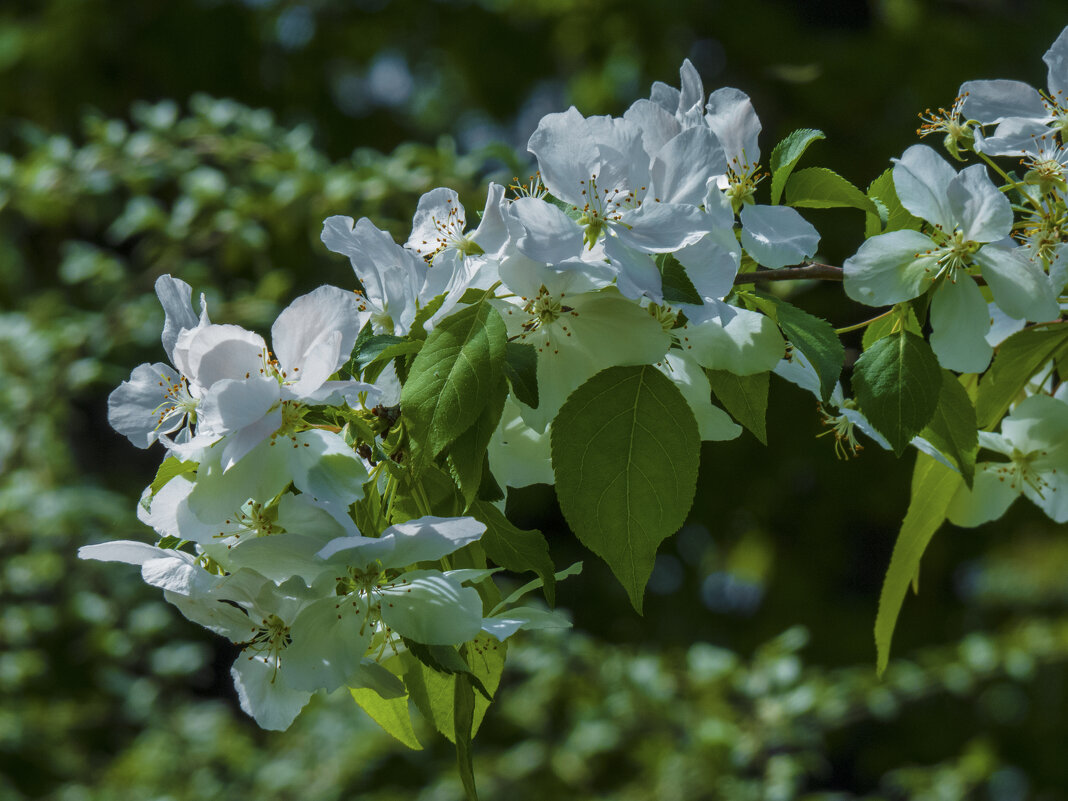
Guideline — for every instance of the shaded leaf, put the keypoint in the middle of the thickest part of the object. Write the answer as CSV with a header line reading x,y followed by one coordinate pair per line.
x,y
625,451
897,383
745,397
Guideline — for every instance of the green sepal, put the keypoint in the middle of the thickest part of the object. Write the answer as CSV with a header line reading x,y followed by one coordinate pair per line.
x,y
901,317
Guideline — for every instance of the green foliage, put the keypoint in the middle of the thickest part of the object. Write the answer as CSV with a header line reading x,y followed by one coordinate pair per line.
x,y
515,549
933,487
391,714
811,335
1017,361
467,454
171,467
952,428
677,286
625,451
901,317
786,155
521,369
454,375
745,397
820,188
891,215
897,383
434,690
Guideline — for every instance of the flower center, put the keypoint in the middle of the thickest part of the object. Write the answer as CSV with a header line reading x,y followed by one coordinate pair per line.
x,y
251,520
843,430
1020,472
176,401
603,206
269,639
953,255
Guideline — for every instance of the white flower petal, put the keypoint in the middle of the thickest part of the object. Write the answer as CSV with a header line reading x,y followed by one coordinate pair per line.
x,y
890,268
1020,286
959,324
264,694
777,235
429,608
922,178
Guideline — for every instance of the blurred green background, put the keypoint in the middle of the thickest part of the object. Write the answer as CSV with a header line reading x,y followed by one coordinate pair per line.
x,y
210,138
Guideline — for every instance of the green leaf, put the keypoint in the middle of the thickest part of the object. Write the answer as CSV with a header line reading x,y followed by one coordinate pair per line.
x,y
377,364
901,316
451,378
370,349
521,369
883,192
418,329
625,451
515,549
392,714
820,188
530,586
677,286
933,487
446,659
897,383
953,428
172,467
435,484
467,455
489,489
745,397
351,368
813,336
432,691
463,722
1017,360
785,157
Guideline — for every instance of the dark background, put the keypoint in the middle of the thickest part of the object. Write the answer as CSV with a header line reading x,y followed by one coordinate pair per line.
x,y
210,139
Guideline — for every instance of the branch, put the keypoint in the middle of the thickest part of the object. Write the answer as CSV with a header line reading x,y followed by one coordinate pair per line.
x,y
820,272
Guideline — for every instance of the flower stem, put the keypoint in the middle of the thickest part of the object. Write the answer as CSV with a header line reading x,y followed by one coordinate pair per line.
x,y
864,324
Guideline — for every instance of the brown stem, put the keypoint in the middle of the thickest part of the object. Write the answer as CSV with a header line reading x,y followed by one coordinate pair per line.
x,y
820,272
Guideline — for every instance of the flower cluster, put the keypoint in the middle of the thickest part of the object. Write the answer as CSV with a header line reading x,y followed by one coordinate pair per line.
x,y
333,502
252,508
